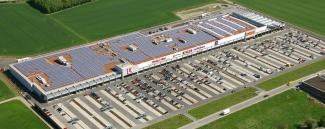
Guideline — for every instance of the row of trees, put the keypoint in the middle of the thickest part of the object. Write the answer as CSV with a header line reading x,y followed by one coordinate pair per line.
x,y
50,6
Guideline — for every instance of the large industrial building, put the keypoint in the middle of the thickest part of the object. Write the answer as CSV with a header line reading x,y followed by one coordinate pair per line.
x,y
57,74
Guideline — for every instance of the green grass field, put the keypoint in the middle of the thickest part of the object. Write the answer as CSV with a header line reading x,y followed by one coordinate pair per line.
x,y
104,18
5,92
25,31
307,14
222,103
171,123
292,75
288,108
15,115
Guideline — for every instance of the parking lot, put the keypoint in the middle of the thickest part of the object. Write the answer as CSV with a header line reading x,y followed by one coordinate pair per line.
x,y
181,85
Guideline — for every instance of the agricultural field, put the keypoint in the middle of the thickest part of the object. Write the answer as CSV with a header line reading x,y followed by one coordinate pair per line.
x,y
292,75
5,92
105,18
25,31
222,103
288,109
171,123
15,115
308,14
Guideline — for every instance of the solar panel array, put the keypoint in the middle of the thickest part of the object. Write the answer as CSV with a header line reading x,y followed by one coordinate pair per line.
x,y
87,63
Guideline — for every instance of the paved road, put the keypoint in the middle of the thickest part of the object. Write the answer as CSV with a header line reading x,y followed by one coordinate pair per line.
x,y
7,100
245,104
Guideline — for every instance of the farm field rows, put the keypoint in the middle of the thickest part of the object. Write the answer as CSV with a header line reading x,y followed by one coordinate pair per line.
x,y
25,31
105,18
287,108
308,14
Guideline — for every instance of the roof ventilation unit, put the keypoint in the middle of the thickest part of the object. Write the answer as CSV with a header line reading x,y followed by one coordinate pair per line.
x,y
162,38
41,80
182,41
62,61
101,45
191,31
167,40
132,47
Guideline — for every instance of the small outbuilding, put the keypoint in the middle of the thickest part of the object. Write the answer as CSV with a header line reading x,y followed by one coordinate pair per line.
x,y
315,87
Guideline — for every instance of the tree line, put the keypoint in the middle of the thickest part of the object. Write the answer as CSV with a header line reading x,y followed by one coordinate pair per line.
x,y
50,6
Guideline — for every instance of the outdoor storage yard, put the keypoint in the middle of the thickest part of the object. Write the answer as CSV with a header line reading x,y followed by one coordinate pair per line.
x,y
138,101
292,75
286,109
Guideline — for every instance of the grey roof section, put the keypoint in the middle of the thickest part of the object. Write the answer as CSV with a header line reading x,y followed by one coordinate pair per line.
x,y
214,29
223,27
230,24
317,82
148,50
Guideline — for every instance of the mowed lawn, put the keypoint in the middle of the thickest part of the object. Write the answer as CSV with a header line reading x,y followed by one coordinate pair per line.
x,y
307,14
15,115
292,75
222,103
287,108
25,31
105,18
171,123
5,92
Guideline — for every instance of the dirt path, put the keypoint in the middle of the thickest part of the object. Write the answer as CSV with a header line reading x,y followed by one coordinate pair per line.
x,y
210,8
5,61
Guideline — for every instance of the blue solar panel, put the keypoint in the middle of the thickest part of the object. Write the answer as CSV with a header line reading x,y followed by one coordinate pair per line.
x,y
88,63
242,23
223,27
230,24
214,29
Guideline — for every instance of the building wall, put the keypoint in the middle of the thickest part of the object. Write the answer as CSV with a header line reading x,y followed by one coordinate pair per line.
x,y
260,29
230,39
24,81
79,86
313,92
